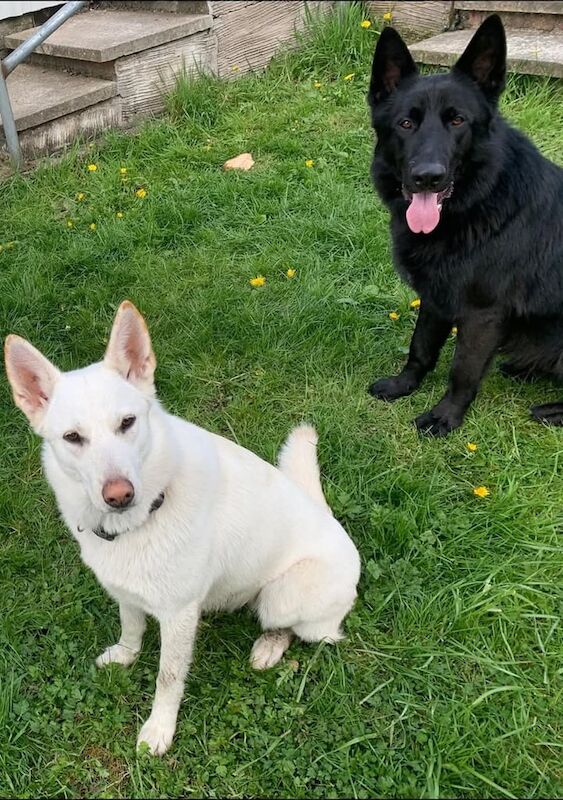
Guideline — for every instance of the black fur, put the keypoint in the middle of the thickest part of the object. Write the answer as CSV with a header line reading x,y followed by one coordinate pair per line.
x,y
493,265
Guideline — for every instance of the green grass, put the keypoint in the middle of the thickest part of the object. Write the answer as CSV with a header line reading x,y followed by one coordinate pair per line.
x,y
450,680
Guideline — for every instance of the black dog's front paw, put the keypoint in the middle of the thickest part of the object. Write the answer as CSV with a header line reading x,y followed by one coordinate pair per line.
x,y
549,413
438,423
392,388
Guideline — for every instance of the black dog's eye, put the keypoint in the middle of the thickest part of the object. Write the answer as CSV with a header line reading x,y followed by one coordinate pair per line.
x,y
73,437
406,124
127,422
457,120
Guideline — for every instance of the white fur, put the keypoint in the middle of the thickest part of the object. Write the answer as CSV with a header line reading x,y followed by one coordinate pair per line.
x,y
232,530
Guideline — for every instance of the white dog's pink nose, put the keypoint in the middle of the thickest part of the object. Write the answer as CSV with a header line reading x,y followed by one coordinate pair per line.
x,y
118,493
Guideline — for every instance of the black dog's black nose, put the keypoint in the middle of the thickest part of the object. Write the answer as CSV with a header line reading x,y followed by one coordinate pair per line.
x,y
429,176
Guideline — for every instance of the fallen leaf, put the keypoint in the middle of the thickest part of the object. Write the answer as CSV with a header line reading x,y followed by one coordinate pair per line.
x,y
244,162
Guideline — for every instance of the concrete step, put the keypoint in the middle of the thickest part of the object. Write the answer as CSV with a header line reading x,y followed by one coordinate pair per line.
x,y
39,95
530,7
540,16
529,52
158,6
103,35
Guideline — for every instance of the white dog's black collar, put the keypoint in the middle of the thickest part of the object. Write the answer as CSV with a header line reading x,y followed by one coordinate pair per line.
x,y
109,537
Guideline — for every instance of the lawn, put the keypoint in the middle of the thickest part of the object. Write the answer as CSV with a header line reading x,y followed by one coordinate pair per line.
x,y
449,682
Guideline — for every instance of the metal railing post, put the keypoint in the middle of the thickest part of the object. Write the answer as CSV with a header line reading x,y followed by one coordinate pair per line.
x,y
9,125
16,57
25,48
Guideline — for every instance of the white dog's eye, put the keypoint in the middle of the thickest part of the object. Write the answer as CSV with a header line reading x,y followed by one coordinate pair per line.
x,y
127,422
73,437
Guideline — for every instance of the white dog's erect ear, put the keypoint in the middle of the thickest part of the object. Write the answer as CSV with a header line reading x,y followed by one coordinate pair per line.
x,y
32,377
129,351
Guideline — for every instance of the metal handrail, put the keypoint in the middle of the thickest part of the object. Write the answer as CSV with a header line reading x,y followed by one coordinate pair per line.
x,y
16,57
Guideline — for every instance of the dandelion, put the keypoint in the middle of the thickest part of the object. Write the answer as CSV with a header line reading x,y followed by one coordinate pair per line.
x,y
394,316
259,280
69,223
454,331
388,16
415,303
481,491
317,84
119,215
309,163
142,193
291,273
92,167
365,23
349,77
92,226
123,170
80,196
471,446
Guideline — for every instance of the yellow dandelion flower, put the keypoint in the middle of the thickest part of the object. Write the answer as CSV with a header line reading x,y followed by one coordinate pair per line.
x,y
349,77
142,193
123,170
92,226
415,303
454,331
291,273
394,316
471,446
365,23
80,196
259,280
119,215
309,163
481,491
317,84
388,16
69,223
92,167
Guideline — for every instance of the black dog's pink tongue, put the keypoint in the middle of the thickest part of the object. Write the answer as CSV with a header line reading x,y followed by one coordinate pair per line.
x,y
423,214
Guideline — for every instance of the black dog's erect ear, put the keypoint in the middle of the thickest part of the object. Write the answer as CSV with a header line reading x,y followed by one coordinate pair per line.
x,y
484,58
392,62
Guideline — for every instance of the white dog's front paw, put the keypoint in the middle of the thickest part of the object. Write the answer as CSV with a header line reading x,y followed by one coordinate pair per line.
x,y
117,654
158,734
269,648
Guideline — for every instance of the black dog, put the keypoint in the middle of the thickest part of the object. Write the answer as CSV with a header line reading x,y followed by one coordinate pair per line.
x,y
476,223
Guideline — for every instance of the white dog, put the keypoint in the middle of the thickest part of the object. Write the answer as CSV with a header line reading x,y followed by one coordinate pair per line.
x,y
175,521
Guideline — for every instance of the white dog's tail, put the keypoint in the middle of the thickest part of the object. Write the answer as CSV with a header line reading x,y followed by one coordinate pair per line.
x,y
298,460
